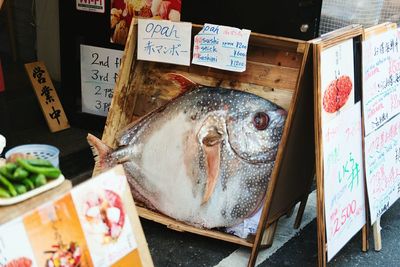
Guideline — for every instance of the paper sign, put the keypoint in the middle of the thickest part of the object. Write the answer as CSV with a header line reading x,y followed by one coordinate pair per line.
x,y
164,41
99,73
343,178
96,224
382,166
97,6
46,94
221,47
381,79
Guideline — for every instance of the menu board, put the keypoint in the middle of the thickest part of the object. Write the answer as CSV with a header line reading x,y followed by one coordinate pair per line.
x,y
90,226
381,79
381,106
343,182
99,73
221,47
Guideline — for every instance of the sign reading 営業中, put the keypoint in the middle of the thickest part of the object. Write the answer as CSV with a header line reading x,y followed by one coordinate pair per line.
x,y
164,41
99,73
97,6
221,47
342,147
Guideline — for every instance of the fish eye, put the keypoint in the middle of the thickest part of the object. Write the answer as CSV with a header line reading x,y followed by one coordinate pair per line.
x,y
260,121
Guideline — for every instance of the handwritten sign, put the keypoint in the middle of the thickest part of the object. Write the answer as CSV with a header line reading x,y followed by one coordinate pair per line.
x,y
99,73
343,181
343,178
164,41
221,47
96,6
381,78
95,224
46,94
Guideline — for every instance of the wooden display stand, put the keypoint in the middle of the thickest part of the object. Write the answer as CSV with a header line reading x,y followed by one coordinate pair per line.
x,y
278,69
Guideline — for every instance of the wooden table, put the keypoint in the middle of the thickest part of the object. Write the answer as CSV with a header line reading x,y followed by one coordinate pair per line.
x,y
8,213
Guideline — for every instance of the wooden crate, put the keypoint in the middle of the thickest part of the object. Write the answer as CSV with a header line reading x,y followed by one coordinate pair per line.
x,y
278,69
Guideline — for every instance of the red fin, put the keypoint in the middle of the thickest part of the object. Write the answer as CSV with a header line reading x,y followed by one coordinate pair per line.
x,y
184,83
100,151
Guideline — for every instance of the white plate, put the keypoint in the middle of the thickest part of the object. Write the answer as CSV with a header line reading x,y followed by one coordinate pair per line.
x,y
32,193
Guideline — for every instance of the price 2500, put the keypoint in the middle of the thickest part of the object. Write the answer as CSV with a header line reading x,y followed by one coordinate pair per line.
x,y
348,211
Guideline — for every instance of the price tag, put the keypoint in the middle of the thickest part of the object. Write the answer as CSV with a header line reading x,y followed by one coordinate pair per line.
x,y
99,73
164,41
221,47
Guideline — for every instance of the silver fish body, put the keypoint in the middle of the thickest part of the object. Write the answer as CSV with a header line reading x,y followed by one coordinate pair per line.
x,y
205,158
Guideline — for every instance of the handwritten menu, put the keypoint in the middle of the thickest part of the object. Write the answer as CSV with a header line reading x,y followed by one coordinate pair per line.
x,y
382,167
381,79
221,47
342,147
46,94
99,73
164,41
90,226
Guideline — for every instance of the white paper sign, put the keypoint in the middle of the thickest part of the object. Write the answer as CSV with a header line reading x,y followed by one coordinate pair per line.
x,y
221,47
99,73
97,6
343,178
164,41
382,166
381,79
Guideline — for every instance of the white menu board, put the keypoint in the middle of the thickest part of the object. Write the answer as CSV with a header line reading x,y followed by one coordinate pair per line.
x,y
381,79
99,73
342,147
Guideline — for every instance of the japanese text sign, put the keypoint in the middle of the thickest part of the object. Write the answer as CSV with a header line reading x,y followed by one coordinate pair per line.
x,y
99,73
164,41
96,6
47,96
221,47
95,224
381,78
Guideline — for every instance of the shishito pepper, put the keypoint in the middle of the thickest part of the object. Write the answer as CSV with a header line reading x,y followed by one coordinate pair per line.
x,y
20,188
20,174
50,172
28,184
39,162
8,185
39,180
5,172
4,193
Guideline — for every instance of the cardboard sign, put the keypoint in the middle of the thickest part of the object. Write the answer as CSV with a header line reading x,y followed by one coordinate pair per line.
x,y
164,41
96,224
381,78
221,47
46,94
99,73
97,6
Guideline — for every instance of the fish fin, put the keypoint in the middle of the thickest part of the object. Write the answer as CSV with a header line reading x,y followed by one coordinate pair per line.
x,y
100,151
183,82
212,149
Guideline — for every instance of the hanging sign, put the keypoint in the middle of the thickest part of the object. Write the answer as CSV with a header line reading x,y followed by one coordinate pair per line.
x,y
164,41
46,94
99,73
221,47
95,224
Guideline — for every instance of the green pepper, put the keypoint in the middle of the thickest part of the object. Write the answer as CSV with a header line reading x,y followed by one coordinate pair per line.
x,y
39,180
28,184
4,193
6,173
20,174
10,167
20,188
39,162
50,172
8,185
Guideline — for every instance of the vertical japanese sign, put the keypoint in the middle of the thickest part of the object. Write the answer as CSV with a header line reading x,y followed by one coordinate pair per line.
x,y
47,96
99,73
221,47
96,224
381,106
343,182
164,41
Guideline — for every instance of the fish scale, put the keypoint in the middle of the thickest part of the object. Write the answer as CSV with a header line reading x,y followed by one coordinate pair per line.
x,y
205,158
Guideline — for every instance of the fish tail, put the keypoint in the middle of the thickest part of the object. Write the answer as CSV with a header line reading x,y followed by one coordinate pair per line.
x,y
101,152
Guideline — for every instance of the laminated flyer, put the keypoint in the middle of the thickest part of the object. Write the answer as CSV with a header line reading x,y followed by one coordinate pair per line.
x,y
89,226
